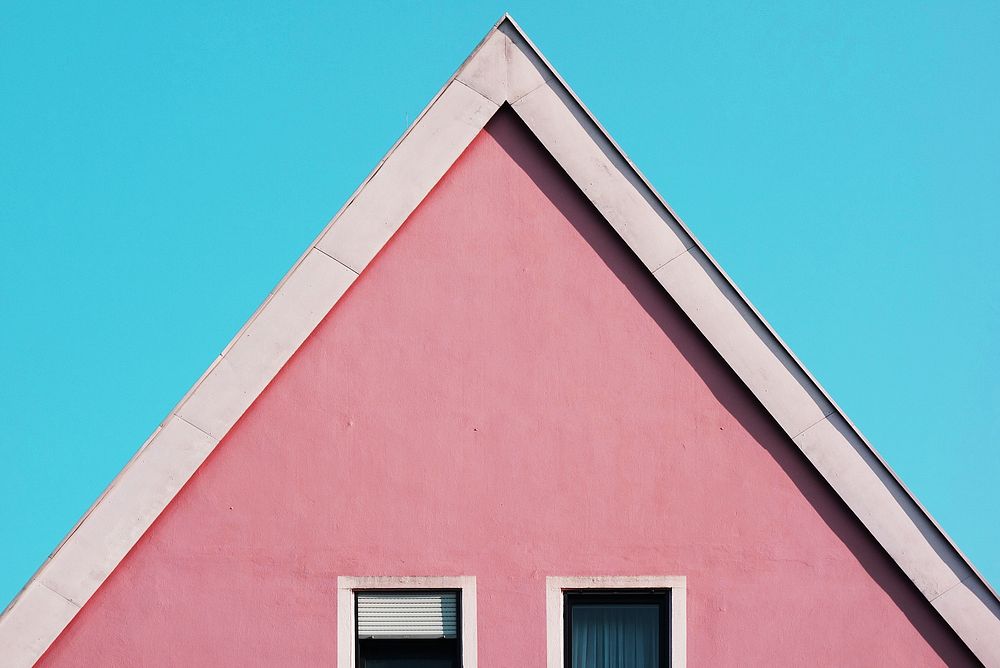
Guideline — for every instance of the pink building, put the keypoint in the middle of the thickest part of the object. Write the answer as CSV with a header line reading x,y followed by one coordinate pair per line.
x,y
506,411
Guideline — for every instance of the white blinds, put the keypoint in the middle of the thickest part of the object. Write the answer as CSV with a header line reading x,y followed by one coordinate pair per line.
x,y
390,614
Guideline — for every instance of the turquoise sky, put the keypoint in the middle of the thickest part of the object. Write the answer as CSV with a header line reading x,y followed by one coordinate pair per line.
x,y
163,164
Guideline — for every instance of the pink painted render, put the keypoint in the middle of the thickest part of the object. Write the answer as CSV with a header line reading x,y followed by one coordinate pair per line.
x,y
507,393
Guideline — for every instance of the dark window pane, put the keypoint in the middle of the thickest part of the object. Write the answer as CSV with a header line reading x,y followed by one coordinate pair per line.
x,y
442,653
409,663
615,635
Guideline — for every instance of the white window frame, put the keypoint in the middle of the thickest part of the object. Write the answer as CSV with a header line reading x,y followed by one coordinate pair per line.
x,y
347,586
557,586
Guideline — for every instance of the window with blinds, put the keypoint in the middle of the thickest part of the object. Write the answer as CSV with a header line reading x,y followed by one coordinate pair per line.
x,y
390,614
408,629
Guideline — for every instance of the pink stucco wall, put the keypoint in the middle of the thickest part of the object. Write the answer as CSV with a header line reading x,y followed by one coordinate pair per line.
x,y
505,393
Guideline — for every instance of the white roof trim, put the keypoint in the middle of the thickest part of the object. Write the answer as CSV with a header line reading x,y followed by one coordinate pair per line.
x,y
505,68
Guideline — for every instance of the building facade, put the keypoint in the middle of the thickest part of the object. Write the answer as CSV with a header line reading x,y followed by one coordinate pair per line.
x,y
506,411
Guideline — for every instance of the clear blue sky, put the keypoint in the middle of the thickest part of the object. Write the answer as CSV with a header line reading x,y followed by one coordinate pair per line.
x,y
163,164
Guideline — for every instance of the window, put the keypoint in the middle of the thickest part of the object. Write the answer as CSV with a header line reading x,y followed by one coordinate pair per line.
x,y
408,629
406,622
612,629
616,622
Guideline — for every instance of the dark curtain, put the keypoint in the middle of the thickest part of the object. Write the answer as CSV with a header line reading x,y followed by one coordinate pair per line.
x,y
615,636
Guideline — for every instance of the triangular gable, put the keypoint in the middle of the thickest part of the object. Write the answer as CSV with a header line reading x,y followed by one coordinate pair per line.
x,y
505,69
